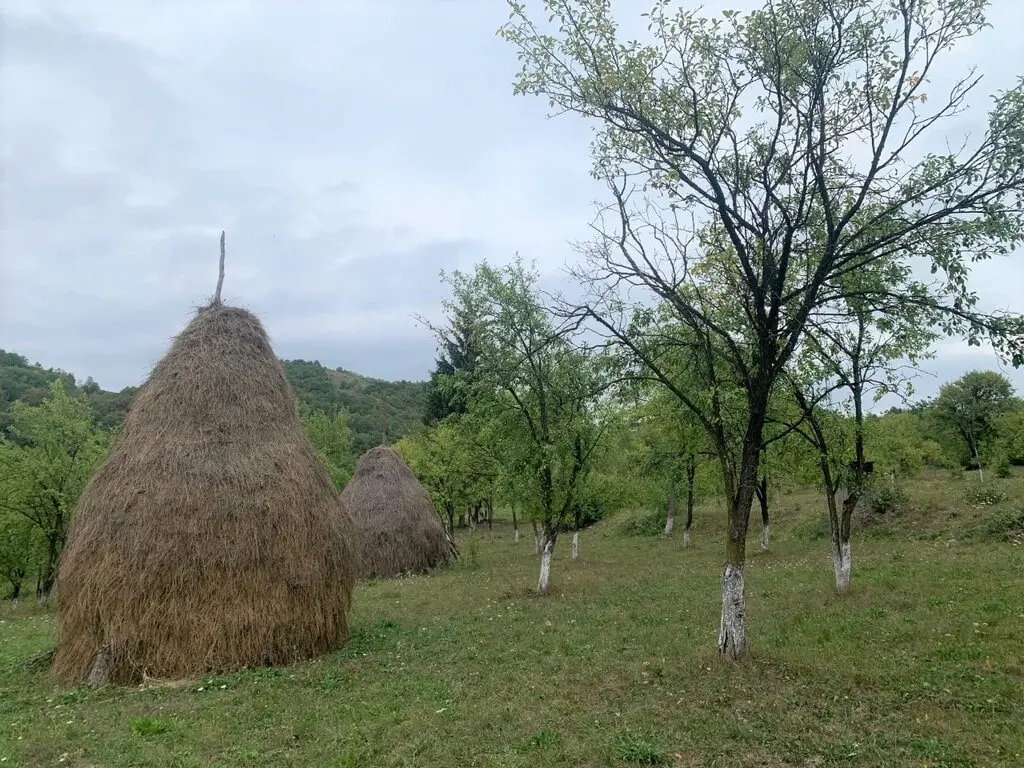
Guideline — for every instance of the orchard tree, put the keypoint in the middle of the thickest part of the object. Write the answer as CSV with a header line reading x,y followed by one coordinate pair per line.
x,y
20,550
854,349
670,448
972,405
808,138
55,447
539,389
441,459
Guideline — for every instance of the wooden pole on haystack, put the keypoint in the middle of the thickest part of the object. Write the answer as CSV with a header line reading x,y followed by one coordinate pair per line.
x,y
220,273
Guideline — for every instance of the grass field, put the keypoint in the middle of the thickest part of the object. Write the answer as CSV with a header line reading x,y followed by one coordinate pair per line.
x,y
921,664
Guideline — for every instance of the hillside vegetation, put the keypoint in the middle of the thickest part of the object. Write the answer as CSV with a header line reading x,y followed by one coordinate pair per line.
x,y
376,409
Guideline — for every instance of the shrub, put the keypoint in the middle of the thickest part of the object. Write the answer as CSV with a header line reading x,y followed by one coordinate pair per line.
x,y
589,511
648,523
985,496
1001,468
887,499
1006,525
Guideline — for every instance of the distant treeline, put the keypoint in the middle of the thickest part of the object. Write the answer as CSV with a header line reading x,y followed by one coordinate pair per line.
x,y
376,409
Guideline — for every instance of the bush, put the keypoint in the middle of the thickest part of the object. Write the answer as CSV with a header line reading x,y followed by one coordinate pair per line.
x,y
649,523
985,496
589,511
888,499
1007,525
1001,468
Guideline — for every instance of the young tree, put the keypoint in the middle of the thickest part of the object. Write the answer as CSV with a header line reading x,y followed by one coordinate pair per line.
x,y
790,141
671,446
332,439
972,405
539,390
851,350
440,458
55,448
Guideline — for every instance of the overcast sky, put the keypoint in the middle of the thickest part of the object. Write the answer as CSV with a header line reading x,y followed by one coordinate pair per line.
x,y
351,149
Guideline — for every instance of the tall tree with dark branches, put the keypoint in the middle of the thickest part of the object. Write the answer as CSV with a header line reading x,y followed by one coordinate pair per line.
x,y
798,143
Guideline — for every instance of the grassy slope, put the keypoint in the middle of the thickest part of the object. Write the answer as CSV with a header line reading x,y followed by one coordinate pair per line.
x,y
921,665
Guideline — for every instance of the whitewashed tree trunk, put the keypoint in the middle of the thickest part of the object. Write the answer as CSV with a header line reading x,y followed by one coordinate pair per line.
x,y
547,551
841,565
686,538
575,544
766,536
14,603
732,636
517,535
670,520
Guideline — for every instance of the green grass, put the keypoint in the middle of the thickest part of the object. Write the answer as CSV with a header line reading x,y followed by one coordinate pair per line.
x,y
921,664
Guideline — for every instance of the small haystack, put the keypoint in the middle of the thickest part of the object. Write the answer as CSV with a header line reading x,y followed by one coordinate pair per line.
x,y
211,538
398,527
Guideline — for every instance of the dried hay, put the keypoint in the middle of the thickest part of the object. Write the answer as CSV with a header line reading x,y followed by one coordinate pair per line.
x,y
399,530
211,539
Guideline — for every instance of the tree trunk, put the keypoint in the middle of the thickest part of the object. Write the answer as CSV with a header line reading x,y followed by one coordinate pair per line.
x,y
732,633
839,525
462,520
762,497
575,544
490,514
691,472
49,574
515,523
547,549
670,520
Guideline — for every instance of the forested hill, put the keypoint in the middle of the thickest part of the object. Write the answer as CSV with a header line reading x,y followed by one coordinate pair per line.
x,y
377,409
374,406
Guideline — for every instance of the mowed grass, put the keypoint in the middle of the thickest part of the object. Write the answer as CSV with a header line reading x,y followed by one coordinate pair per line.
x,y
921,664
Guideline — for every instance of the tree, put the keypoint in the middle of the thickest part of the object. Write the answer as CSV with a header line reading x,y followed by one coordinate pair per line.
x,y
853,349
19,550
1009,434
972,406
787,142
539,390
55,448
332,439
440,458
459,351
671,446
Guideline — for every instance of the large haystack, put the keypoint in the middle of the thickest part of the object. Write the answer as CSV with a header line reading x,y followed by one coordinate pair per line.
x,y
399,530
211,538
